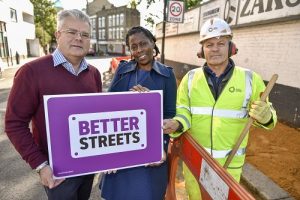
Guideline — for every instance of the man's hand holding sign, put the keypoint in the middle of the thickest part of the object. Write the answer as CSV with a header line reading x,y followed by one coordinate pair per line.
x,y
47,179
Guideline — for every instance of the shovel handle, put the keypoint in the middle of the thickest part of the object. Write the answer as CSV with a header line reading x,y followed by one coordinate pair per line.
x,y
250,121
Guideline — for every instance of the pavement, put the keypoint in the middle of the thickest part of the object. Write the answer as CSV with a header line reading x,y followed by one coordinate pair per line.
x,y
262,186
19,182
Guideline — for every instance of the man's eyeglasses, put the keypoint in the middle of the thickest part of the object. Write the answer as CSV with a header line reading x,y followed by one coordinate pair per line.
x,y
73,33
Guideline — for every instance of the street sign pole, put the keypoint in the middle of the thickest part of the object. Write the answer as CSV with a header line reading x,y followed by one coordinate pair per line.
x,y
175,15
164,33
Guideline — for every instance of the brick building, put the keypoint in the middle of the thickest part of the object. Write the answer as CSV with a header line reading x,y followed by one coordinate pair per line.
x,y
110,25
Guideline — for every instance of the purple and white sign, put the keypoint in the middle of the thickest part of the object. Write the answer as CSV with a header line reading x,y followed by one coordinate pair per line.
x,y
88,133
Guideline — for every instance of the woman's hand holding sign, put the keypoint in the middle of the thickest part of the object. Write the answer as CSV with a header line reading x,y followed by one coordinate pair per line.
x,y
139,88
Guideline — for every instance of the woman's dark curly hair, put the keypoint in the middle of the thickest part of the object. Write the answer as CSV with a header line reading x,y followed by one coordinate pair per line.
x,y
148,34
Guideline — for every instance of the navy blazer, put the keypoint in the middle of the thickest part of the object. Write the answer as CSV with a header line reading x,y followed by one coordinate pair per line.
x,y
161,78
147,183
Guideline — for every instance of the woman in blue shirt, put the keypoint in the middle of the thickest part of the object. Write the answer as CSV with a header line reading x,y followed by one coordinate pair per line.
x,y
141,74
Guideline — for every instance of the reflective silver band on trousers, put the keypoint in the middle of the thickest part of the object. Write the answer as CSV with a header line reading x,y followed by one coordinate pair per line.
x,y
224,153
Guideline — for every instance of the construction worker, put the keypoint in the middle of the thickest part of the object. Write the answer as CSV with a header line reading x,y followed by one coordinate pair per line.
x,y
215,101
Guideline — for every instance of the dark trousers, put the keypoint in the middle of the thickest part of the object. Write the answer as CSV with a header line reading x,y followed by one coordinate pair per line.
x,y
76,188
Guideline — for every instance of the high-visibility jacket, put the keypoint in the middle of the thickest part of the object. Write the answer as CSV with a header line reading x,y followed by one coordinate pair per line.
x,y
217,124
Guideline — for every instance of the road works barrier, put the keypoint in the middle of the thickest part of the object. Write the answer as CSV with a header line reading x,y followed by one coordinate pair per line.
x,y
213,180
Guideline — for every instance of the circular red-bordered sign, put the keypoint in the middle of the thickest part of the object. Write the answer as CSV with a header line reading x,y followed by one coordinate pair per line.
x,y
175,9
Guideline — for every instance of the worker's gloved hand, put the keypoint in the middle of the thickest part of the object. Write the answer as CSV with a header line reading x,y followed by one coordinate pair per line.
x,y
261,112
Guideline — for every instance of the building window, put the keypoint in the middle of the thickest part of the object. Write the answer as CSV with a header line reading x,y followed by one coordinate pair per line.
x,y
121,33
103,34
109,33
2,27
117,20
121,19
2,49
109,21
28,18
93,36
93,23
113,20
103,21
3,41
118,33
113,33
13,15
99,22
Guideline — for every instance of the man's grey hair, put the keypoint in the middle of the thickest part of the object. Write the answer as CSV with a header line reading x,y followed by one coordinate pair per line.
x,y
76,14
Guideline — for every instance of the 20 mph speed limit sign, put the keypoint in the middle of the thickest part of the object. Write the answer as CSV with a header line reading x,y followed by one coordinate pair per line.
x,y
175,11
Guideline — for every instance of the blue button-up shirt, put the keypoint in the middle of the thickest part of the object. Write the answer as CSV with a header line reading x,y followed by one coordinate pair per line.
x,y
59,58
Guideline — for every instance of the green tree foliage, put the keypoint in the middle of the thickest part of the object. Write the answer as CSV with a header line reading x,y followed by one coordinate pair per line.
x,y
133,4
44,37
45,21
191,3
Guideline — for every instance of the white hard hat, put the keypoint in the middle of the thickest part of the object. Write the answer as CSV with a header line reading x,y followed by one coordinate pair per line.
x,y
214,27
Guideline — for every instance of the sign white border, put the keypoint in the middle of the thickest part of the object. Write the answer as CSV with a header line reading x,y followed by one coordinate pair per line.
x,y
175,18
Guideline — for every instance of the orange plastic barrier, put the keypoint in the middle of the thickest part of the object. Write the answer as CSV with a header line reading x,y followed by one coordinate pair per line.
x,y
114,63
214,181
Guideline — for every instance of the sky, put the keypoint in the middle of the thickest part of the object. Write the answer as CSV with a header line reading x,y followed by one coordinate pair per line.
x,y
156,8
